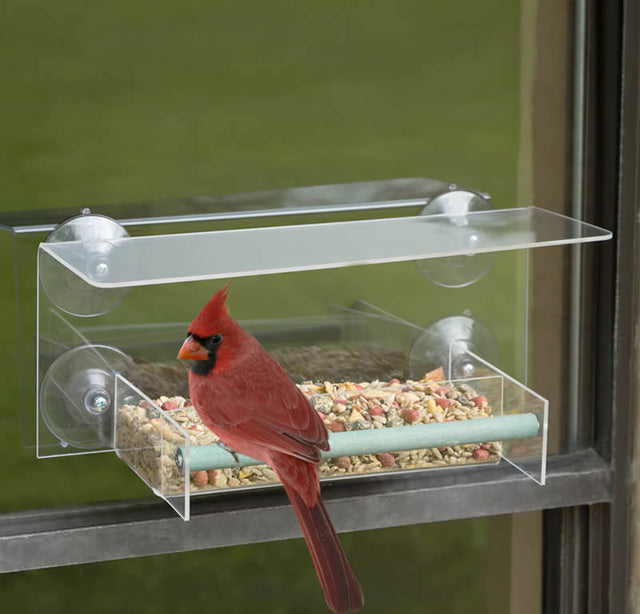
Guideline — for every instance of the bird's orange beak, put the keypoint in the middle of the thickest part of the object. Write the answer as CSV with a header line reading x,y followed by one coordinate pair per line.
x,y
192,350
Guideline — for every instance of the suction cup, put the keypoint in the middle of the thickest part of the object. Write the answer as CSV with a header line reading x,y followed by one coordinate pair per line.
x,y
65,289
77,395
457,271
458,335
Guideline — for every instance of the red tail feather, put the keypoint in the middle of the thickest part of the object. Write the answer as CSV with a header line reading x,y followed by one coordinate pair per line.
x,y
341,588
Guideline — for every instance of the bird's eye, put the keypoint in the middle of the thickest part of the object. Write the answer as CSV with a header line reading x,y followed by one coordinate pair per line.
x,y
216,339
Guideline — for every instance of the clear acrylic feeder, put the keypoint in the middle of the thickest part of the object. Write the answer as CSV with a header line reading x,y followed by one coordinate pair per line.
x,y
400,308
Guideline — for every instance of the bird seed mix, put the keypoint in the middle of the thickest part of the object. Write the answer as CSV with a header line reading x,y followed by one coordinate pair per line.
x,y
148,442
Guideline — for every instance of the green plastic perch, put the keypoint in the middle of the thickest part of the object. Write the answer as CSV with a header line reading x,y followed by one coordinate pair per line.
x,y
374,441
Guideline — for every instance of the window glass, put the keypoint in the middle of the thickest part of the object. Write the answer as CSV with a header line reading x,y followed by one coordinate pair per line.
x,y
140,101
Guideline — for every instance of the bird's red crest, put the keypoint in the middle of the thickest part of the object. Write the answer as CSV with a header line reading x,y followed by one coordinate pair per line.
x,y
204,324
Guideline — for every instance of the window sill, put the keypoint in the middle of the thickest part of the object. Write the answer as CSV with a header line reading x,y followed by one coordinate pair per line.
x,y
86,534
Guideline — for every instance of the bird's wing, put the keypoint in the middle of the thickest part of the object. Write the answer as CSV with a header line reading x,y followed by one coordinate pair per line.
x,y
264,406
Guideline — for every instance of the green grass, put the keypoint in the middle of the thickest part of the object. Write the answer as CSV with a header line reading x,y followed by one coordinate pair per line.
x,y
129,101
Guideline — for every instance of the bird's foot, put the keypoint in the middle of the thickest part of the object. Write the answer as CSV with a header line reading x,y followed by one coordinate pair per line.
x,y
231,451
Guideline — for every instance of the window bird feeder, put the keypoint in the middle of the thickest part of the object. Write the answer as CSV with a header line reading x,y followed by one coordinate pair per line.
x,y
112,304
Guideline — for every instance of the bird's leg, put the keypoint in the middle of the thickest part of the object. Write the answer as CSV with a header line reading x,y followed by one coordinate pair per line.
x,y
231,451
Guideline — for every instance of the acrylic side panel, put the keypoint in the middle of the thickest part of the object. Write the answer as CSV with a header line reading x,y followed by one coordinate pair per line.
x,y
147,438
75,383
528,454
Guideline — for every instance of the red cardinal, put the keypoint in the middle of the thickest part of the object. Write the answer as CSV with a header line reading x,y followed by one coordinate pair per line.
x,y
246,398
